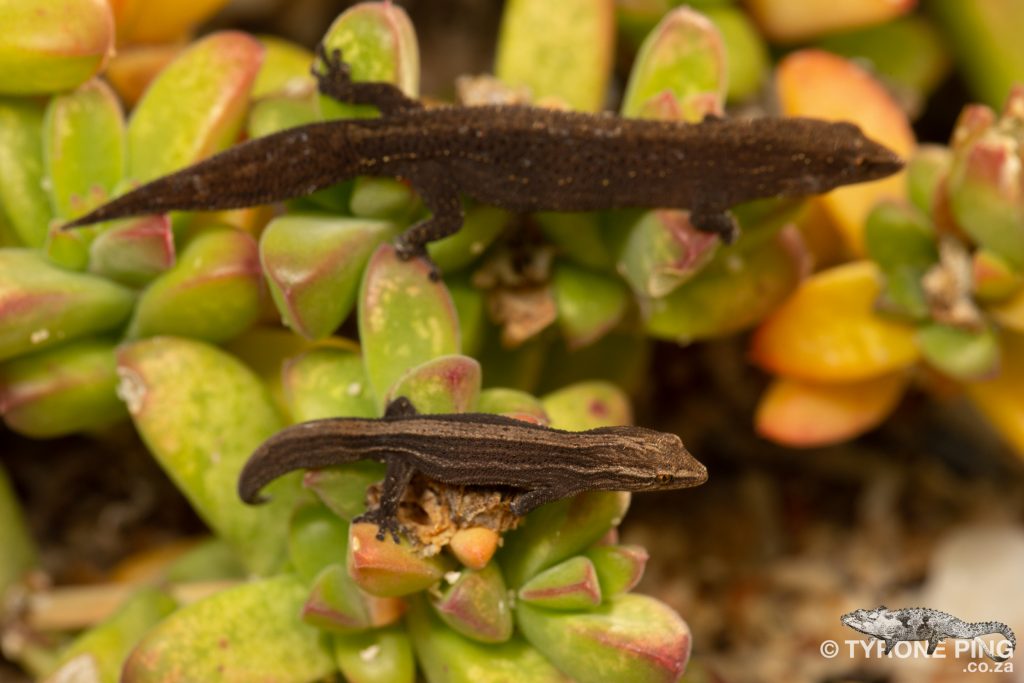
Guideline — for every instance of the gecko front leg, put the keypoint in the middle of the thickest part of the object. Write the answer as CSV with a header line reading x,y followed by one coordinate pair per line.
x,y
398,476
336,81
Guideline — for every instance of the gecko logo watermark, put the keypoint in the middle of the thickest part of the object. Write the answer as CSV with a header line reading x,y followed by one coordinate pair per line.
x,y
921,632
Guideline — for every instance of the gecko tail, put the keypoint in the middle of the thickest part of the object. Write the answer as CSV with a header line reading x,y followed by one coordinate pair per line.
x,y
1002,629
308,445
291,163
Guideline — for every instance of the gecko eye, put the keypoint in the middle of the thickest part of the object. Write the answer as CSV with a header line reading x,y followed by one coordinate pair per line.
x,y
664,478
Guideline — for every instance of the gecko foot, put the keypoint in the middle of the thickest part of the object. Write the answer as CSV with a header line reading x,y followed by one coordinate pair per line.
x,y
407,251
335,79
385,524
720,223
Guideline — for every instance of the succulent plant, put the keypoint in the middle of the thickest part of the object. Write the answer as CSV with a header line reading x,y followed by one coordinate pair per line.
x,y
210,332
942,289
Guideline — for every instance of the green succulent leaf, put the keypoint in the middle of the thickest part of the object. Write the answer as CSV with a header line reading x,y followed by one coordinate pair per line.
x,y
447,657
631,638
619,567
19,551
962,354
449,384
747,58
251,632
405,319
570,585
285,69
102,649
384,568
679,72
343,488
558,50
513,403
662,251
481,227
587,405
83,148
380,656
213,292
41,305
22,170
335,602
317,539
477,605
378,42
589,304
558,531
52,45
313,266
735,291
133,252
63,390
579,236
195,107
202,414
327,382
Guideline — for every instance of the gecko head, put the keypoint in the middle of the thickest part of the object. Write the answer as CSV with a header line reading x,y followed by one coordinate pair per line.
x,y
666,464
838,154
863,620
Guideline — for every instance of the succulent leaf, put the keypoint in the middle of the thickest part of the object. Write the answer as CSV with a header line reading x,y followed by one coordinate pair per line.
x,y
327,382
22,170
388,569
405,319
175,387
556,532
803,414
477,605
62,390
448,384
102,649
379,656
447,657
53,45
379,44
195,107
250,632
570,585
41,305
559,51
630,638
214,291
314,264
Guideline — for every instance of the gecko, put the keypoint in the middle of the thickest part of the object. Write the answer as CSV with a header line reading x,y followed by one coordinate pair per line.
x,y
519,158
921,623
476,449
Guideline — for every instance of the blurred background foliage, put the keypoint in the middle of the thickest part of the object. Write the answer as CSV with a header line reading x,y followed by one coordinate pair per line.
x,y
850,370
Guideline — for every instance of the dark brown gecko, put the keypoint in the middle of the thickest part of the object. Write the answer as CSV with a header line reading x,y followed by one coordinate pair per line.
x,y
520,158
476,449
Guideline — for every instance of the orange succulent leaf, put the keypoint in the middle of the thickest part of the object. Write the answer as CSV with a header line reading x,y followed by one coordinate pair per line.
x,y
1001,399
795,20
822,85
828,331
807,414
146,21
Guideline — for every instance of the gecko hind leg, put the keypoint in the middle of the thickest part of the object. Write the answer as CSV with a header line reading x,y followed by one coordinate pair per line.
x,y
721,223
336,81
441,197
